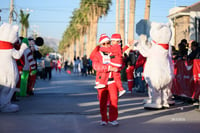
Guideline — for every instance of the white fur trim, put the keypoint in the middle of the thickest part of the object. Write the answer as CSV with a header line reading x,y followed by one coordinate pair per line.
x,y
115,64
114,39
110,82
104,40
130,80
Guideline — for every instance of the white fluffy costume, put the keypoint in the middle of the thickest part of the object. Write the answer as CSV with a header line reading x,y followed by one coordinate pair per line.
x,y
158,71
8,71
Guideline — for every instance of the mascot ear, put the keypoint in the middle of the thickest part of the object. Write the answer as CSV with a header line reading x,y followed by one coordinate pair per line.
x,y
143,27
39,41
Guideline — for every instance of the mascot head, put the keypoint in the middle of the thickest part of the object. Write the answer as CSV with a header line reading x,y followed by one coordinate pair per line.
x,y
160,33
8,33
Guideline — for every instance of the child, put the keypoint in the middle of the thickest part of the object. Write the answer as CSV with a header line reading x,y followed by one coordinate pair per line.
x,y
115,61
129,74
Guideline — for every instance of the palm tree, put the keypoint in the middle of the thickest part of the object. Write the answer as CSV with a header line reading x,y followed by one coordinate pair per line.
x,y
131,20
24,23
121,19
95,10
84,21
147,9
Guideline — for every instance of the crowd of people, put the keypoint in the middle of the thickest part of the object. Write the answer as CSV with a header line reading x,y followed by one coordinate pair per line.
x,y
130,65
186,50
79,66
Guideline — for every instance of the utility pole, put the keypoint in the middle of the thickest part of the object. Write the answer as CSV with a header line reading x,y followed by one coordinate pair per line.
x,y
11,11
0,16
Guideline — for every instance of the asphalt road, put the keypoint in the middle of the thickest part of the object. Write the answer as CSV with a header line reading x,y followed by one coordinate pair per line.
x,y
68,104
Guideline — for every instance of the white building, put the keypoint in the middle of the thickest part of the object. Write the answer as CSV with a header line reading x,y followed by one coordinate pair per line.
x,y
185,23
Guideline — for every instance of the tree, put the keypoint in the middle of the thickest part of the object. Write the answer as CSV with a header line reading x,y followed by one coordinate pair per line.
x,y
147,9
131,20
24,23
45,50
85,21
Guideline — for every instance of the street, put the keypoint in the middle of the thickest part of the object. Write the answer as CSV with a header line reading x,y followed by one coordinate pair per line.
x,y
68,104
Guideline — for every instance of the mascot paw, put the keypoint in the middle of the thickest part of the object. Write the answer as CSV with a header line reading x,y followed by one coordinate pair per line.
x,y
148,100
10,108
152,106
166,106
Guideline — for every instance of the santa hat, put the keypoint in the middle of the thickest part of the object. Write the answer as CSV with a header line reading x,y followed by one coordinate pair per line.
x,y
103,38
116,37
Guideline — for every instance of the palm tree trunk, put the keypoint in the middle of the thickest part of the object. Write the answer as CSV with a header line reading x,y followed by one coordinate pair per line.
x,y
72,52
88,44
122,20
117,16
22,30
82,45
77,48
147,9
131,20
94,33
25,32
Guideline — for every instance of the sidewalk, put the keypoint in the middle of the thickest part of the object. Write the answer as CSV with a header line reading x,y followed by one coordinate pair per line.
x,y
68,104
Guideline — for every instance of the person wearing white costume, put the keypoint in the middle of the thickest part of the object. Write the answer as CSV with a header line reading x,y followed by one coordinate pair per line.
x,y
158,71
8,71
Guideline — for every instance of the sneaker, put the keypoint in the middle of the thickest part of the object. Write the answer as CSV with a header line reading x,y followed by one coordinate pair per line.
x,y
99,86
121,93
103,123
114,123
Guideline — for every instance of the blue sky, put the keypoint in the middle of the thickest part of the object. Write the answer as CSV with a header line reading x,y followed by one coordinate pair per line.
x,y
50,18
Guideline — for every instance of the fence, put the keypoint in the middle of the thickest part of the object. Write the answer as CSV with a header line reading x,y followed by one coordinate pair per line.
x,y
187,78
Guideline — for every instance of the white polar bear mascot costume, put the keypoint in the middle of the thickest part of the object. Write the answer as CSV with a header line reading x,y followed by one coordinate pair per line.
x,y
158,70
8,67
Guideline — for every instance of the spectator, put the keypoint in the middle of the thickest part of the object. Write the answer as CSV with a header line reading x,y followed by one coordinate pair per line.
x,y
89,66
59,64
66,65
182,53
48,66
195,54
85,63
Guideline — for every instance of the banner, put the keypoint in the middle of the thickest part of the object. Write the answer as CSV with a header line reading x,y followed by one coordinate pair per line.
x,y
196,77
187,78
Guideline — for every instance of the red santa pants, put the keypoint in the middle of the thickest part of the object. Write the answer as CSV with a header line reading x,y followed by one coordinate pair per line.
x,y
117,78
31,83
111,92
130,84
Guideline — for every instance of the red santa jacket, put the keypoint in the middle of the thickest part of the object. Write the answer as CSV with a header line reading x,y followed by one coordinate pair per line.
x,y
100,63
140,63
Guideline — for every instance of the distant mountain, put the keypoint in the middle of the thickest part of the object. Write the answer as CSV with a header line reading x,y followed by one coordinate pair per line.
x,y
51,42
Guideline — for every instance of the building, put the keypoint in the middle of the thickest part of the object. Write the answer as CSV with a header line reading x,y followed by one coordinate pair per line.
x,y
185,23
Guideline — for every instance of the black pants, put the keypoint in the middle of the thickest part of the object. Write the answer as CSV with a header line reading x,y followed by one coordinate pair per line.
x,y
48,72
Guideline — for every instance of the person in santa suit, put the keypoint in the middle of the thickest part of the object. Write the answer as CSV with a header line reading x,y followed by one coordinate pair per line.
x,y
20,64
29,68
35,54
101,63
129,74
116,60
59,65
139,67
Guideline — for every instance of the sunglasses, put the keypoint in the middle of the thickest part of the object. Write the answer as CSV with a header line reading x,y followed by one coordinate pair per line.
x,y
106,43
